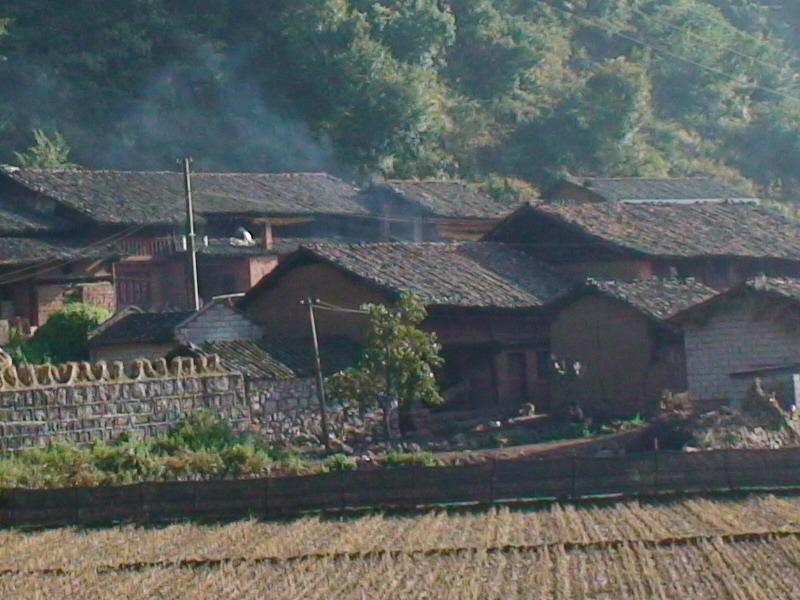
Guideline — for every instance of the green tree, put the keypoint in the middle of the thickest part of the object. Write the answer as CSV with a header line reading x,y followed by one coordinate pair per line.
x,y
398,359
64,338
47,152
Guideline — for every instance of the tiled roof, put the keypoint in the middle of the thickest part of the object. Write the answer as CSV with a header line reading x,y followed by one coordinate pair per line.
x,y
637,189
24,250
18,221
452,199
744,230
133,326
658,298
469,274
249,358
782,287
155,197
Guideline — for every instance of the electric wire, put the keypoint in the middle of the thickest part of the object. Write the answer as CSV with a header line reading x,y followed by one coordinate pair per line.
x,y
614,29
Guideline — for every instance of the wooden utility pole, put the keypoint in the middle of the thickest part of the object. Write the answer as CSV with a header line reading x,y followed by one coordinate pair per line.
x,y
191,238
326,439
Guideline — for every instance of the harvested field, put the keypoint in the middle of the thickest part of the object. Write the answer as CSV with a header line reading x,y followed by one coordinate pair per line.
x,y
745,547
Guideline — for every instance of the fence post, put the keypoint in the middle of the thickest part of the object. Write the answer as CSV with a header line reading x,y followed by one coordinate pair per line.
x,y
726,467
341,490
655,478
574,474
266,498
492,481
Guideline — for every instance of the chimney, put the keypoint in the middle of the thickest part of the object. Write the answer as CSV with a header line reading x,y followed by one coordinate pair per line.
x,y
266,237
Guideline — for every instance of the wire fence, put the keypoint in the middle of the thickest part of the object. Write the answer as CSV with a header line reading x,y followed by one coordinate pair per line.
x,y
500,481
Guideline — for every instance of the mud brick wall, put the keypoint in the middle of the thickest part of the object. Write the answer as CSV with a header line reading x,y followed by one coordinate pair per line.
x,y
86,402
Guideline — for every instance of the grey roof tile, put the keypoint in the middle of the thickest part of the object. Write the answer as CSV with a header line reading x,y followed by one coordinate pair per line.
x,y
467,274
157,197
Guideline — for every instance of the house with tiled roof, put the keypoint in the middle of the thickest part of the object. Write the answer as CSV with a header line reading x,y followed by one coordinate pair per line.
x,y
749,331
484,302
629,351
720,244
139,219
658,190
420,210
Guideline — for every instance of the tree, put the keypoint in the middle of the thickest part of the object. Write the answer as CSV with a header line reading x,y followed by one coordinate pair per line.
x,y
397,362
46,153
63,338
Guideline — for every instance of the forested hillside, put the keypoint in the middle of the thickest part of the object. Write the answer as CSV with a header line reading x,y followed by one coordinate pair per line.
x,y
470,88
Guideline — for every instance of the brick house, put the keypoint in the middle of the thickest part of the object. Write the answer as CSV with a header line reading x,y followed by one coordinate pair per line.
x,y
133,333
749,331
673,190
720,244
44,263
484,303
629,351
431,210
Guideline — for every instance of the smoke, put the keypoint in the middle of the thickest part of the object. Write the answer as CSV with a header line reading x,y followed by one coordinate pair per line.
x,y
208,108
207,104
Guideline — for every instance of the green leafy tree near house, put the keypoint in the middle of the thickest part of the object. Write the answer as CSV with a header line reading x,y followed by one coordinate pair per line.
x,y
398,359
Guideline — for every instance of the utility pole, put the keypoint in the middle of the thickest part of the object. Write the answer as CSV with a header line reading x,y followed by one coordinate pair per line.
x,y
191,237
326,439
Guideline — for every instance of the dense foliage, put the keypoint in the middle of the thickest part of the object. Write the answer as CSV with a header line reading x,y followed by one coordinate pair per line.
x,y
63,338
472,88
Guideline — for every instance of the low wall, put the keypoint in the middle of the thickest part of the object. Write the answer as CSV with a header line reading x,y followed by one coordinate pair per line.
x,y
86,402
288,411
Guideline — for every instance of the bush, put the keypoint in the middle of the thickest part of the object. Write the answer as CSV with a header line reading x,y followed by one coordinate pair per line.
x,y
64,338
411,459
246,460
200,430
339,462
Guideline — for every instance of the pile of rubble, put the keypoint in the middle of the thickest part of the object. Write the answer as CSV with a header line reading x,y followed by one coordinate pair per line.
x,y
760,423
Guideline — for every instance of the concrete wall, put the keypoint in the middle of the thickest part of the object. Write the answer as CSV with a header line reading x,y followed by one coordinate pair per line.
x,y
218,322
87,402
746,333
625,366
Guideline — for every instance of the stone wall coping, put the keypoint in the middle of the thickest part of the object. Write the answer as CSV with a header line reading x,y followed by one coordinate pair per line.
x,y
75,374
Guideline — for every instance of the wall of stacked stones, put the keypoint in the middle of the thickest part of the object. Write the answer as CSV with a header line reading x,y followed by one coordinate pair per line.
x,y
288,412
86,402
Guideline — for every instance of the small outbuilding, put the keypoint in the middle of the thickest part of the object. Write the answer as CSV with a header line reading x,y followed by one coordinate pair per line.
x,y
133,333
751,331
628,351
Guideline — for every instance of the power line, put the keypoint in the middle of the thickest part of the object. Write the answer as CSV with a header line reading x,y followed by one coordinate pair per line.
x,y
613,29
706,39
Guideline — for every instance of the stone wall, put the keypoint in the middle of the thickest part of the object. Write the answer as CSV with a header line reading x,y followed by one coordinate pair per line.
x,y
288,412
743,336
86,402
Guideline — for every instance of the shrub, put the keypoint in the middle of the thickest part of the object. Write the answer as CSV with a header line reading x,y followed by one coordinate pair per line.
x,y
200,430
246,460
63,338
339,462
411,459
194,464
127,461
